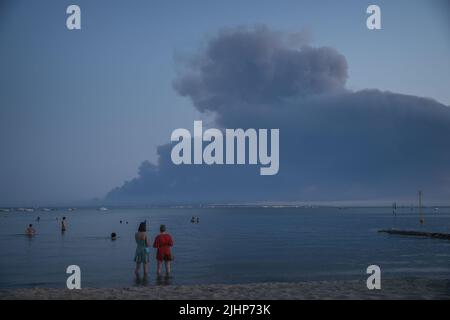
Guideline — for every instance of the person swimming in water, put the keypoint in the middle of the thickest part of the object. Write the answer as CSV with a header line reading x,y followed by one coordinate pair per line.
x,y
141,255
192,219
163,242
30,231
113,236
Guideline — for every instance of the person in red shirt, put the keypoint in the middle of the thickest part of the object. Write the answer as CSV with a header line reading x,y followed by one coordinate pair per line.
x,y
162,243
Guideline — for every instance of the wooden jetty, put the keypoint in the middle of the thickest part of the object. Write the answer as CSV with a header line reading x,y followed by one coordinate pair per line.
x,y
435,235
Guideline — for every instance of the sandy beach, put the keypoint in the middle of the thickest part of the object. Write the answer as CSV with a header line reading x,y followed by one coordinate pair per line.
x,y
353,290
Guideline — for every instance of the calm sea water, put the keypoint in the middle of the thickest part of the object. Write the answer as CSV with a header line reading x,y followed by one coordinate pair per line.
x,y
229,245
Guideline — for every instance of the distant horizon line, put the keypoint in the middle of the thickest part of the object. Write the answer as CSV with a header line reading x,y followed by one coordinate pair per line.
x,y
330,204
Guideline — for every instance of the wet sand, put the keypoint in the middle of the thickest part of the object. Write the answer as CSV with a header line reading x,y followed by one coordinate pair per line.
x,y
353,290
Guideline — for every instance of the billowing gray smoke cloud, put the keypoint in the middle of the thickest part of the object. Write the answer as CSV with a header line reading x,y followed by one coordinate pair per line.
x,y
334,143
247,70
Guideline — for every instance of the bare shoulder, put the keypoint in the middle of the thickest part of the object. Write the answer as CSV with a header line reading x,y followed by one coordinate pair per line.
x,y
140,235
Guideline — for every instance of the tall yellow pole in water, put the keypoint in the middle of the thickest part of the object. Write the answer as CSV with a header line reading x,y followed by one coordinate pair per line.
x,y
421,219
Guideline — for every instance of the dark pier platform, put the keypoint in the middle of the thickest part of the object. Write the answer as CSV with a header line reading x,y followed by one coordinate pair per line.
x,y
434,235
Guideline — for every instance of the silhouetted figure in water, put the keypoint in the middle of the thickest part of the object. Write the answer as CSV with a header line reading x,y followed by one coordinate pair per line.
x,y
163,243
198,219
30,230
38,219
63,224
120,221
142,254
192,219
113,236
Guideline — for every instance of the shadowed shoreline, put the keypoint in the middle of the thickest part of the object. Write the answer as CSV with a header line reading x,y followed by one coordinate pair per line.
x,y
391,289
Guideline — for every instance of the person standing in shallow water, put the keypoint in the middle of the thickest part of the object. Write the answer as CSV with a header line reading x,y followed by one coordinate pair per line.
x,y
63,224
163,242
142,252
